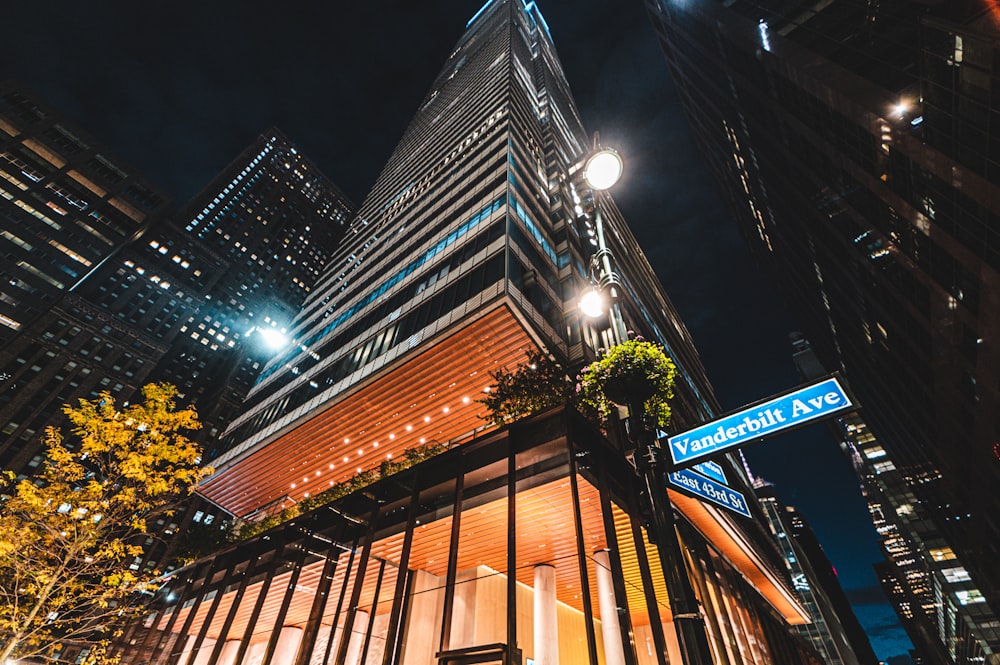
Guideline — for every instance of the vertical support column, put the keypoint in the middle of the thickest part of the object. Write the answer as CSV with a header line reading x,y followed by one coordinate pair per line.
x,y
356,640
287,645
614,652
512,651
228,654
581,553
546,619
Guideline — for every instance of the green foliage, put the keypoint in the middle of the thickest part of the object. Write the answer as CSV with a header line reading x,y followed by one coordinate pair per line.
x,y
641,367
69,535
359,481
530,387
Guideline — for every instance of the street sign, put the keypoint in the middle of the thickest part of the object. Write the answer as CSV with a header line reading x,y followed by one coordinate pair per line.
x,y
781,413
709,490
712,470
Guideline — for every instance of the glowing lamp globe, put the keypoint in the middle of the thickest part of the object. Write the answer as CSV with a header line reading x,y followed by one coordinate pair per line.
x,y
603,169
592,303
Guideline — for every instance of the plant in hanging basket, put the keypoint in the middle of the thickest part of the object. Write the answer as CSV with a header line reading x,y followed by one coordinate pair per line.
x,y
632,373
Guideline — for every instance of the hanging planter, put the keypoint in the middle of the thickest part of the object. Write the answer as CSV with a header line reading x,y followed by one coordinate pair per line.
x,y
632,373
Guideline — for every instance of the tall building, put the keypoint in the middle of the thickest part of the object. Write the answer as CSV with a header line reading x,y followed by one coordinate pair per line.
x,y
141,297
66,208
413,533
834,629
854,144
274,220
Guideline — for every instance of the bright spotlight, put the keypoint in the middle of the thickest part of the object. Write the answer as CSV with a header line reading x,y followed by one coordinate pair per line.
x,y
273,337
592,303
603,169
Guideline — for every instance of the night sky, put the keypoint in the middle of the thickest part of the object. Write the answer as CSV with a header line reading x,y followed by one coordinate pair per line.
x,y
176,90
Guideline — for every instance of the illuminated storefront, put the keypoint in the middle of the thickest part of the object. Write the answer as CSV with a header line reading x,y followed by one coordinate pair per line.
x,y
417,569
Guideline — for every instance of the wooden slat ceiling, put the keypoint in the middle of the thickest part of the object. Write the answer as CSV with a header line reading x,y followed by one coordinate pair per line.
x,y
426,398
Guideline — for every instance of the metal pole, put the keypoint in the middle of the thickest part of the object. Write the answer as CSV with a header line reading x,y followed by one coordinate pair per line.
x,y
608,279
688,622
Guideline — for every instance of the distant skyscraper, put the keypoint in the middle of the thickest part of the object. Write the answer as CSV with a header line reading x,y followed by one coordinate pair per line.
x,y
854,143
142,298
834,630
527,542
66,207
275,220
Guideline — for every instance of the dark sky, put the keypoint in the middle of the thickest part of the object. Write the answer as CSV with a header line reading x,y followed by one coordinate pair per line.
x,y
178,89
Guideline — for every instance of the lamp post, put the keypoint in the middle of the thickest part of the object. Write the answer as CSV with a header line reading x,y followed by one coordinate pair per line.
x,y
601,170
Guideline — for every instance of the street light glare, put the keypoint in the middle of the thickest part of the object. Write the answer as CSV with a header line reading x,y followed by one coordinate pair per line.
x,y
273,337
592,303
603,169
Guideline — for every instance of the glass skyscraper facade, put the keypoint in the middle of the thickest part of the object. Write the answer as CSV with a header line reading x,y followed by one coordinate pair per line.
x,y
412,532
143,297
66,207
855,144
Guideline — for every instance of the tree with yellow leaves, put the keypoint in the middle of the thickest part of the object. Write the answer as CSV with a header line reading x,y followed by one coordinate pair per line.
x,y
69,536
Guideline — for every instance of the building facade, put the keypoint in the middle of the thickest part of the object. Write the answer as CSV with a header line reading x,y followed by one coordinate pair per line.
x,y
160,300
67,210
853,143
414,533
833,630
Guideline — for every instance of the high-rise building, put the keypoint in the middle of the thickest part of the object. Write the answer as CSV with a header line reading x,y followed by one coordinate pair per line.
x,y
854,144
274,220
141,297
413,532
834,630
66,208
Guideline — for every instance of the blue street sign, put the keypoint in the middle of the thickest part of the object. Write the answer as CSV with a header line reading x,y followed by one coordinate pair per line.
x,y
706,488
778,414
711,470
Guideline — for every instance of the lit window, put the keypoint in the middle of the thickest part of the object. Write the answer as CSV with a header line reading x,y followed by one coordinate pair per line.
x,y
957,574
942,554
969,597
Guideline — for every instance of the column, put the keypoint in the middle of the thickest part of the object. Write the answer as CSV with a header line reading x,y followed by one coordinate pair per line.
x,y
546,620
614,651
357,639
287,646
228,654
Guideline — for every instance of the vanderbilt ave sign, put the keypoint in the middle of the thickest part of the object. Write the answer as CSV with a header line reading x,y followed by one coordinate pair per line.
x,y
784,412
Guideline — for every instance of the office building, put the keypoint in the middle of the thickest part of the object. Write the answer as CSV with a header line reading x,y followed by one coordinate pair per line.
x,y
833,630
143,298
414,533
66,208
853,143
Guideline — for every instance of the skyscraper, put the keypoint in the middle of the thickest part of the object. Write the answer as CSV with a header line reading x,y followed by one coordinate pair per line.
x,y
414,533
142,297
834,629
853,143
66,208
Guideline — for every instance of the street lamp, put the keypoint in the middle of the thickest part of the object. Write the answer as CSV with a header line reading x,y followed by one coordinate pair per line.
x,y
601,170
